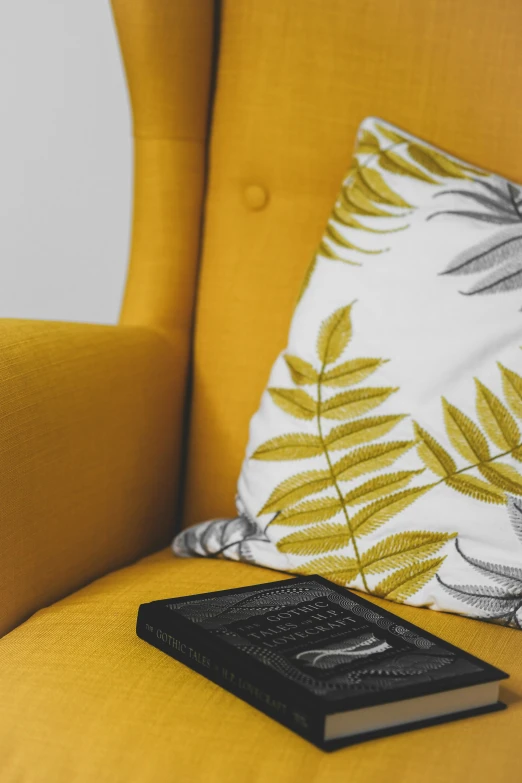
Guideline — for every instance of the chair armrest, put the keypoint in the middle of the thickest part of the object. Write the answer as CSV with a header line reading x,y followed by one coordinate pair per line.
x,y
90,443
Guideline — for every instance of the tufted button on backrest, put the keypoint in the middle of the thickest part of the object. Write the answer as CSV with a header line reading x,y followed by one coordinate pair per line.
x,y
294,81
255,197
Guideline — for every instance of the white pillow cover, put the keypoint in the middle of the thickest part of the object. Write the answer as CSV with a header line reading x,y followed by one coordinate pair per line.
x,y
386,453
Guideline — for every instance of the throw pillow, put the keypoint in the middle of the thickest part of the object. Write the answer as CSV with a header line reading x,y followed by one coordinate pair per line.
x,y
386,453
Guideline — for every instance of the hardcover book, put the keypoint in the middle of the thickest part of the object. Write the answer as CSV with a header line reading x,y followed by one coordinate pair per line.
x,y
321,660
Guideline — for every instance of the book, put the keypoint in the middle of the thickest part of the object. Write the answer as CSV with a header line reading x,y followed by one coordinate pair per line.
x,y
321,660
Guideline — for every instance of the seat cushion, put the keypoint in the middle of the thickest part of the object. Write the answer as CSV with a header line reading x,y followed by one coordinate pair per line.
x,y
82,699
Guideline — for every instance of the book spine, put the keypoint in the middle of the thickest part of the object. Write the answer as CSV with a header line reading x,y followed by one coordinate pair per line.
x,y
190,649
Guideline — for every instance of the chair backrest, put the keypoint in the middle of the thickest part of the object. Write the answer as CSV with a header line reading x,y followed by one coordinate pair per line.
x,y
294,80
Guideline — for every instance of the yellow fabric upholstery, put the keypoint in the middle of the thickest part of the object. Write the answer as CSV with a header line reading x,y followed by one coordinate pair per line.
x,y
91,417
294,81
89,430
84,700
167,50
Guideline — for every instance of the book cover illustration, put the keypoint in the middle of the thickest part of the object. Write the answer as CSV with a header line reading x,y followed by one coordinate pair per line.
x,y
322,640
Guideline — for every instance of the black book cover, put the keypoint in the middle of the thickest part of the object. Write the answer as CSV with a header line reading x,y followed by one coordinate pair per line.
x,y
304,648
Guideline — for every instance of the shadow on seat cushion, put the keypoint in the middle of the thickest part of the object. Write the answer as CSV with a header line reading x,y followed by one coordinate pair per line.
x,y
83,700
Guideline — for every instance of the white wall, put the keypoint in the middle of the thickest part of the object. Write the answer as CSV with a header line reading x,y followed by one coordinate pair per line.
x,y
65,161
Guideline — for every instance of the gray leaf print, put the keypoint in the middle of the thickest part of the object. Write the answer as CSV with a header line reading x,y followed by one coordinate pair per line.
x,y
500,598
221,537
478,596
503,205
501,253
483,217
507,576
515,515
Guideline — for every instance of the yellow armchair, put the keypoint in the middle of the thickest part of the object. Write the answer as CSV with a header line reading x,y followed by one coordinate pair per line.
x,y
90,428
244,115
92,417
